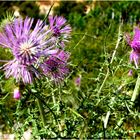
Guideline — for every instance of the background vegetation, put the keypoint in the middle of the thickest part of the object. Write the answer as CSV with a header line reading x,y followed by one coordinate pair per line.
x,y
104,95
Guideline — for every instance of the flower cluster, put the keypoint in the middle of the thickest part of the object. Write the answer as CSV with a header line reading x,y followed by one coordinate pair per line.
x,y
55,66
135,45
36,50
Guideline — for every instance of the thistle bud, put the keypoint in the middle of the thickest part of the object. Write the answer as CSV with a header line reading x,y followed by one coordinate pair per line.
x,y
130,73
78,81
16,94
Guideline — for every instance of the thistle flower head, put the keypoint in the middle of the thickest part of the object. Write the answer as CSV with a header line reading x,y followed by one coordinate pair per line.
x,y
135,45
55,66
61,31
25,42
27,45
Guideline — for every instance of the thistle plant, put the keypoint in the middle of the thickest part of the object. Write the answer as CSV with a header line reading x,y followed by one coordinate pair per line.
x,y
96,99
37,52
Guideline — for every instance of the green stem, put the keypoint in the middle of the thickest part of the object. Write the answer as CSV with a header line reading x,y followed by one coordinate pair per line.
x,y
46,17
112,58
80,41
136,90
42,114
53,98
57,112
107,74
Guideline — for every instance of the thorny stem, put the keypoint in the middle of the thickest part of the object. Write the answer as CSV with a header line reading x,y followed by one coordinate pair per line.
x,y
41,110
54,102
58,110
37,96
113,55
43,102
50,9
136,89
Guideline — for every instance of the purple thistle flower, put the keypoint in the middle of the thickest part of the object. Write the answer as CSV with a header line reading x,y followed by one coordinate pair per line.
x,y
25,43
27,46
135,45
55,66
61,30
16,94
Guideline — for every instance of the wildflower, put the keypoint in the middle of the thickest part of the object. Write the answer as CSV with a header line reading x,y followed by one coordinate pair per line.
x,y
78,81
16,94
55,66
130,73
27,46
135,45
20,71
61,31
